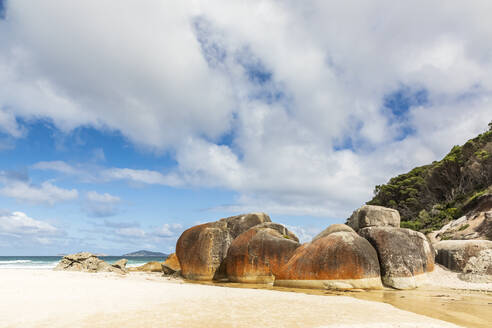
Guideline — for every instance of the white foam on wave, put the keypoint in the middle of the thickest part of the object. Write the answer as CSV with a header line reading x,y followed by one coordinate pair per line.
x,y
27,264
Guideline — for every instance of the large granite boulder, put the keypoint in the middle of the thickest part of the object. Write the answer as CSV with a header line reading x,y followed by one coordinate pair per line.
x,y
201,249
472,258
148,267
338,260
405,255
86,262
337,227
374,216
257,254
171,265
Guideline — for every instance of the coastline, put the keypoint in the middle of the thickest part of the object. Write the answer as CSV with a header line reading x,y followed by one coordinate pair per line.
x,y
45,298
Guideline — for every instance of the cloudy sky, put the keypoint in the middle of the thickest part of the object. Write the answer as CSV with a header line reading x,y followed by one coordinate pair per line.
x,y
124,122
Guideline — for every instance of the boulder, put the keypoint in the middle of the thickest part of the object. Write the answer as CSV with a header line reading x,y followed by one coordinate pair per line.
x,y
333,228
257,254
338,260
171,265
472,258
201,249
86,262
404,255
374,216
148,267
120,264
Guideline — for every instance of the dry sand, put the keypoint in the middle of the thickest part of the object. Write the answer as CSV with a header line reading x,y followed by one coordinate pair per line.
x,y
38,298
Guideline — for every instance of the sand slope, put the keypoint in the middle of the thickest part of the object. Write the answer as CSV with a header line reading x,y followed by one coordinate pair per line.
x,y
35,298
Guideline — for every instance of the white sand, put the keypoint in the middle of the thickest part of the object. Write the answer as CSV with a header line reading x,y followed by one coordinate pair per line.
x,y
36,298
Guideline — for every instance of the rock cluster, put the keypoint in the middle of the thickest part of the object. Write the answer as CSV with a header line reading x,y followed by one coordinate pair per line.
x,y
201,249
88,262
475,225
369,251
471,258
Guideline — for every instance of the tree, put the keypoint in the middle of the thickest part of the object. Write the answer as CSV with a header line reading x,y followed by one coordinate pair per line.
x,y
490,126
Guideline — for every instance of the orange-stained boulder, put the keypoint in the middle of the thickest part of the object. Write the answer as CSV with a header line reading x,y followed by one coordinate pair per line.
x,y
257,254
337,227
339,260
405,255
148,267
171,264
201,249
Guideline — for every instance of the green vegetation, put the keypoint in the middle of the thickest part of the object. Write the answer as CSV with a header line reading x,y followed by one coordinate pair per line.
x,y
432,195
463,227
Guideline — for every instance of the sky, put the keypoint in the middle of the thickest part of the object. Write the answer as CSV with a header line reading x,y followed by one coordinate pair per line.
x,y
122,123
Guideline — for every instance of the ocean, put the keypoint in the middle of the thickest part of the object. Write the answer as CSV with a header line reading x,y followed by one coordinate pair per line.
x,y
49,262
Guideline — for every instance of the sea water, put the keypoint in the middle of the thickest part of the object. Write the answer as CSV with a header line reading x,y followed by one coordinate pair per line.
x,y
49,262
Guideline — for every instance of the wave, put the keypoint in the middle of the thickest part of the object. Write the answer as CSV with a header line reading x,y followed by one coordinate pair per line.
x,y
15,261
37,267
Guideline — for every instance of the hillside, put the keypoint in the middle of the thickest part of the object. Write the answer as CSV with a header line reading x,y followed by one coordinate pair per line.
x,y
429,196
145,253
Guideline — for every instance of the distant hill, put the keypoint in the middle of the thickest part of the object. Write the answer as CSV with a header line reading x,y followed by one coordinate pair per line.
x,y
429,196
145,253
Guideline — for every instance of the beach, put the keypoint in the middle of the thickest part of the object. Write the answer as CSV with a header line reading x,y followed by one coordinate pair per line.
x,y
45,298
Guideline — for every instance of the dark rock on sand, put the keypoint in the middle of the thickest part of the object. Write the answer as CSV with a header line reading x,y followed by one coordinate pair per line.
x,y
257,254
201,249
405,255
339,259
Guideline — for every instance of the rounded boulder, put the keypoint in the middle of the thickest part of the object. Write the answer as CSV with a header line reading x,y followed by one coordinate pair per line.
x,y
201,249
338,260
257,254
405,255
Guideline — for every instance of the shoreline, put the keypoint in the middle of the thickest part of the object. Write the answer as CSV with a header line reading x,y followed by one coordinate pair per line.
x,y
45,298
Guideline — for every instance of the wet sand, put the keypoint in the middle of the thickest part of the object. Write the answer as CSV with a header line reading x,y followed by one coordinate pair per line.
x,y
466,308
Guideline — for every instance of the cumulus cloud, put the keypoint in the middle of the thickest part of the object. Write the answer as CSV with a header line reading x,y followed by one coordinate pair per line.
x,y
18,223
101,205
9,125
286,105
20,188
168,230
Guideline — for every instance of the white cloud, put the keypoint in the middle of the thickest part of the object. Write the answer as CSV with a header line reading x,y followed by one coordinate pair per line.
x,y
288,84
305,234
102,198
131,232
18,223
101,205
59,166
169,230
139,176
9,125
45,193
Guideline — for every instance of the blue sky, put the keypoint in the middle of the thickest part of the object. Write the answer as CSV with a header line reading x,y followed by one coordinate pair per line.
x,y
125,123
